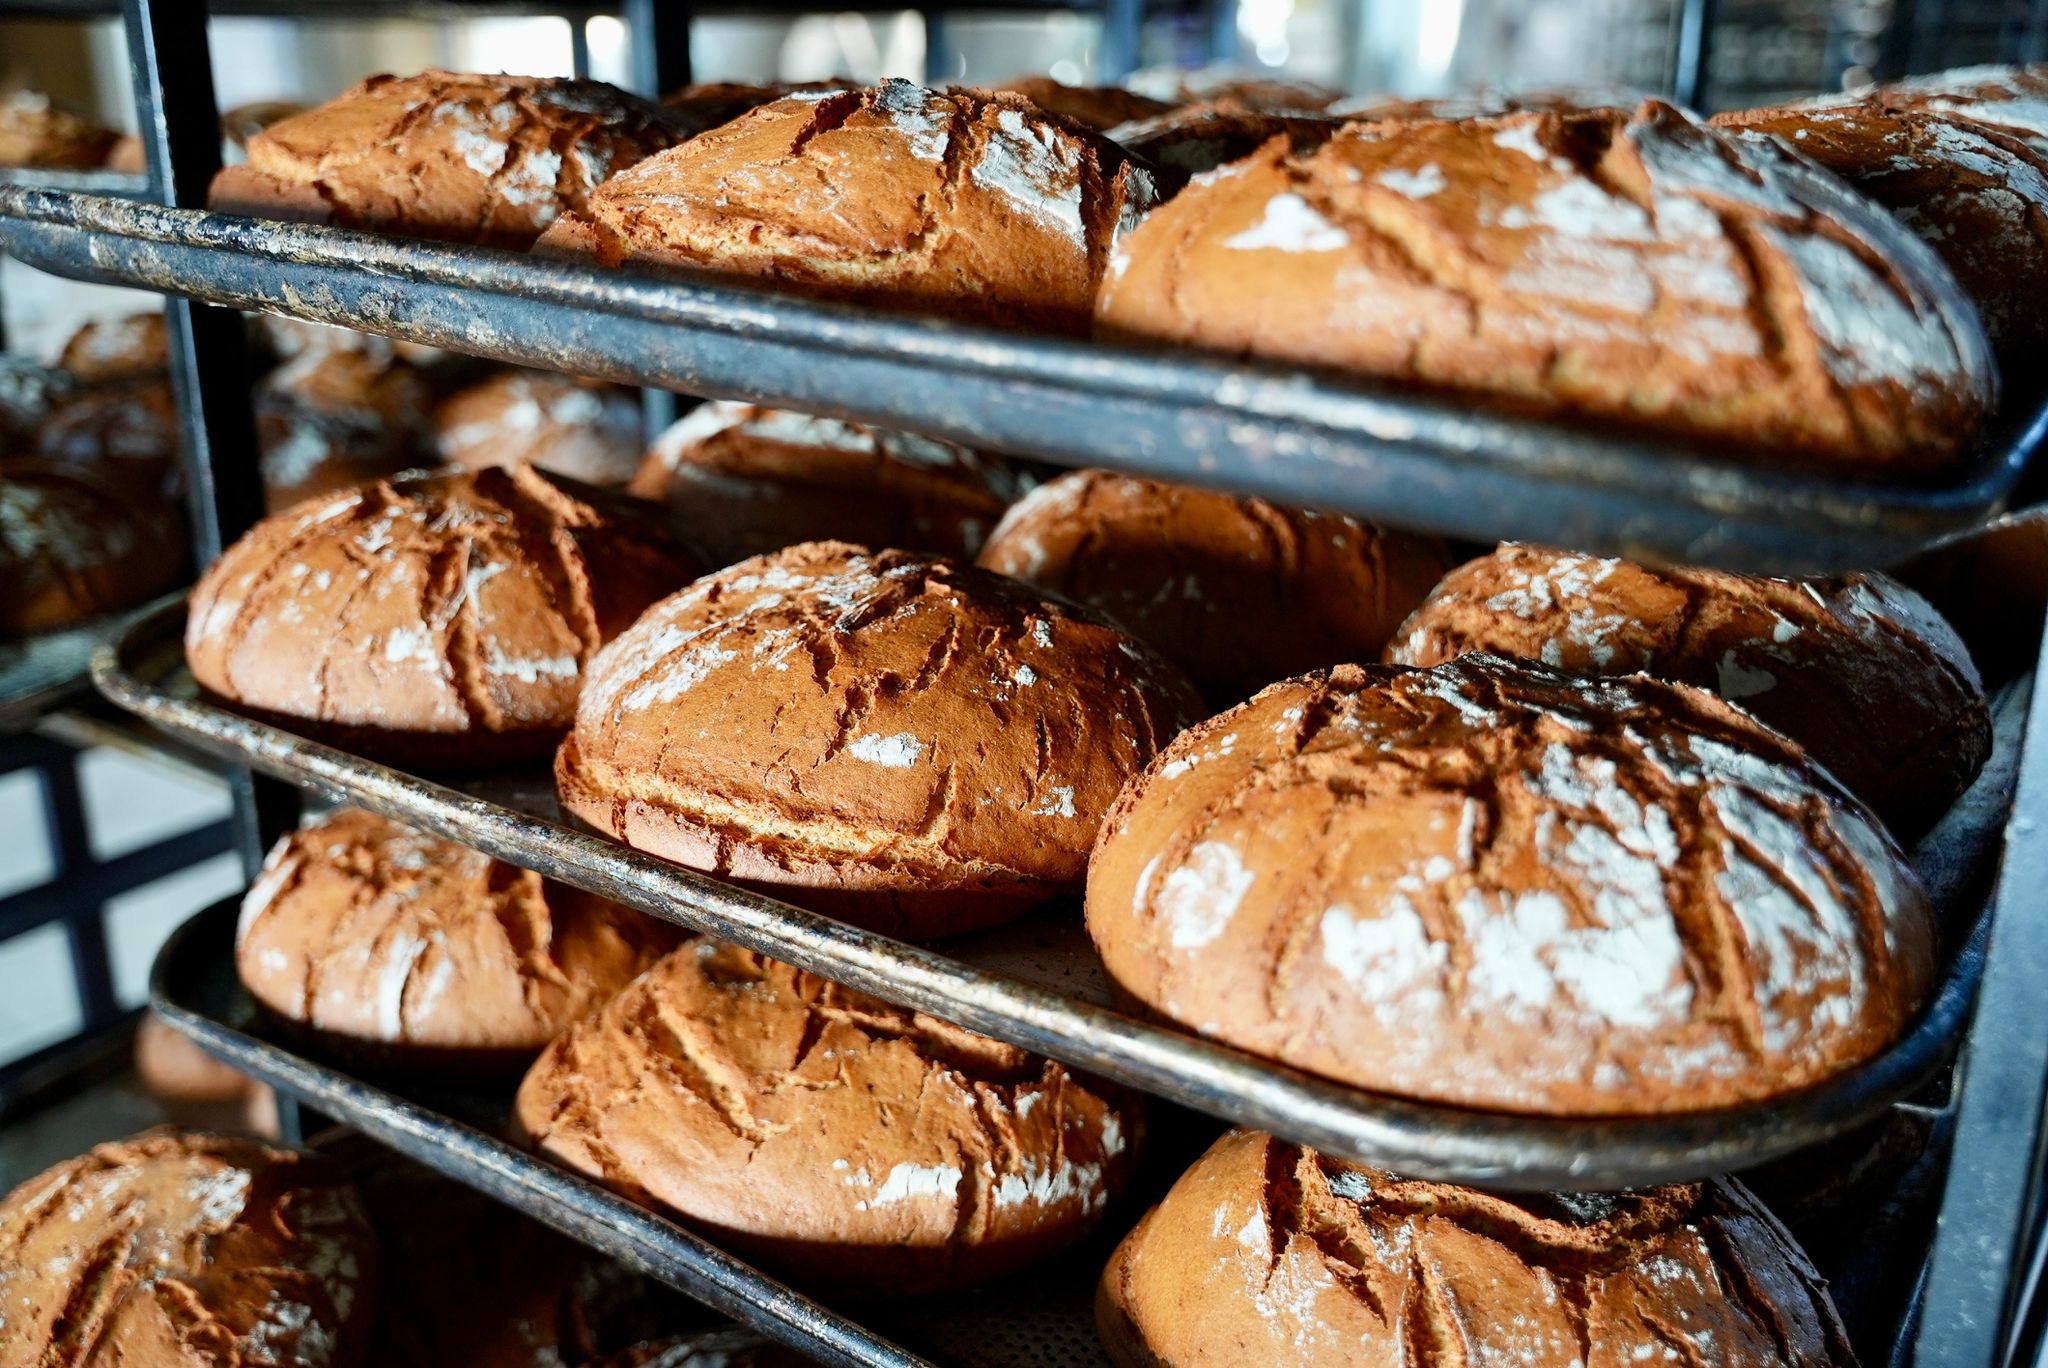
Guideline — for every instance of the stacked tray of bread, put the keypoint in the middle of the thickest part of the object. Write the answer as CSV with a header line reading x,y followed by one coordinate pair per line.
x,y
1504,896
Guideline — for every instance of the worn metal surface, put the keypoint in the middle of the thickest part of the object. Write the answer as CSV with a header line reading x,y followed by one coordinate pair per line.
x,y
1399,457
1449,1143
122,183
193,986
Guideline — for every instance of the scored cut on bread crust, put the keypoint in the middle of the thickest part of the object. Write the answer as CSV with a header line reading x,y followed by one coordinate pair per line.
x,y
1644,271
443,619
902,741
1237,591
854,1145
1264,1253
742,480
1489,884
180,1249
1858,669
378,942
472,158
980,207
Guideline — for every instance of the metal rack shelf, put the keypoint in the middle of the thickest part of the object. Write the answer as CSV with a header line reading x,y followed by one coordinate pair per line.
x,y
1408,459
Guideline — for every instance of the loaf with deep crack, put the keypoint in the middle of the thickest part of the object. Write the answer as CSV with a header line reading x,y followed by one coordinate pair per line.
x,y
586,429
1495,885
377,943
1858,669
980,207
902,741
1641,271
853,1145
1237,591
473,158
179,1249
741,480
438,619
1267,1253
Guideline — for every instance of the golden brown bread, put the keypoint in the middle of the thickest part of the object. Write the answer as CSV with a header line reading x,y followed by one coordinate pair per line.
x,y
440,619
172,1068
178,1249
1493,885
1974,193
1858,669
856,1146
473,158
741,480
376,942
902,741
1267,1253
134,347
35,133
981,207
70,549
335,416
586,429
122,436
1201,137
2012,99
1098,107
1641,270
1236,591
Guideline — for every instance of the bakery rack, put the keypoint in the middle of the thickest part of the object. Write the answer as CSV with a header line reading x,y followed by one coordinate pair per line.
x,y
1294,437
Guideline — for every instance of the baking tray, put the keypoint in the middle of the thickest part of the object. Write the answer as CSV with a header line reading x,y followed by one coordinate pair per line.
x,y
1011,1324
45,671
1396,456
125,184
1038,983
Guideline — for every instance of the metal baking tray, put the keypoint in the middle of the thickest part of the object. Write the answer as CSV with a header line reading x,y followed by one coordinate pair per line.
x,y
1038,983
459,1134
38,673
126,184
1401,457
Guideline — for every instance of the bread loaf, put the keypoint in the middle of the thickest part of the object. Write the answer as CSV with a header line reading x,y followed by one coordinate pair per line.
x,y
337,416
1098,107
177,1249
984,208
172,1068
858,1147
122,437
585,429
1493,885
70,549
1201,137
1236,591
437,619
708,104
2013,99
380,943
1974,193
901,741
35,133
1234,84
486,159
133,347
1859,670
740,480
27,393
1267,1253
1640,270
1491,101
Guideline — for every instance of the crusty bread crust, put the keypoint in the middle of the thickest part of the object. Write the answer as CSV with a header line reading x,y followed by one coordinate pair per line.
x,y
1098,107
70,549
337,416
1642,270
1266,1253
980,207
35,133
1493,885
586,429
1196,138
1858,669
135,347
856,1146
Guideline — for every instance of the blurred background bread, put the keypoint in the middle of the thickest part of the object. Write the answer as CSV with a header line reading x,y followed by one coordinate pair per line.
x,y
586,429
332,417
70,549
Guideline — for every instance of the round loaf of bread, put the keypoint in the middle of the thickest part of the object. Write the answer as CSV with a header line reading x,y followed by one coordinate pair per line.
x,y
981,207
1098,107
1236,591
472,158
378,942
132,347
850,1144
28,392
335,416
740,480
908,743
1859,670
121,436
178,1249
35,133
70,549
1201,137
438,619
586,429
2013,99
1640,270
1267,1253
1493,885
171,1068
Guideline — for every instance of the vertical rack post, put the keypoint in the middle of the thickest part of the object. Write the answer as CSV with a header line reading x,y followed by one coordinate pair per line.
x,y
658,41
1694,55
1121,23
170,65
